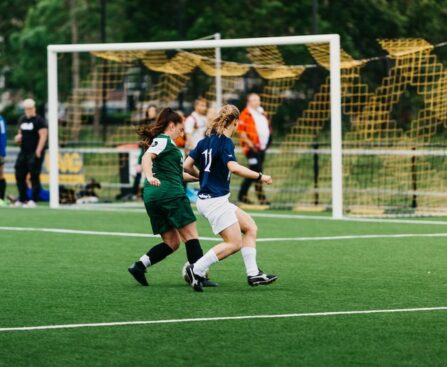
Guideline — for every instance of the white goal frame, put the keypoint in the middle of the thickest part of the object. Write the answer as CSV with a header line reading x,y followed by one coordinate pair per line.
x,y
335,90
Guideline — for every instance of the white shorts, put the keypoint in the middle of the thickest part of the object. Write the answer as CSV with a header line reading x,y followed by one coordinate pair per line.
x,y
219,211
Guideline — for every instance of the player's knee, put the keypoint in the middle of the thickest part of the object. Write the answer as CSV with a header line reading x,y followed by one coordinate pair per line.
x,y
236,245
251,230
173,244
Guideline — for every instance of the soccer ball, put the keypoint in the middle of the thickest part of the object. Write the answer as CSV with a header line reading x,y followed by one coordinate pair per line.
x,y
185,275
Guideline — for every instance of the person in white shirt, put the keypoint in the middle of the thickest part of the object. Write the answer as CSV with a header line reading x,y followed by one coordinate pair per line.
x,y
254,130
195,125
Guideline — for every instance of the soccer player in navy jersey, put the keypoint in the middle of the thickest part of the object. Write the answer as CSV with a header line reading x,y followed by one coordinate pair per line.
x,y
215,158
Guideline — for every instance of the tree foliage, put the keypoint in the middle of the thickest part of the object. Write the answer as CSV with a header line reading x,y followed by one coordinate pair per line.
x,y
29,26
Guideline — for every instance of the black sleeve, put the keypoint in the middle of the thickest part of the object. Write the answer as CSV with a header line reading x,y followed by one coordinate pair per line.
x,y
40,123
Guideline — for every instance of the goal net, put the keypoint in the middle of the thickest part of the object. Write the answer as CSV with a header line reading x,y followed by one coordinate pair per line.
x,y
389,160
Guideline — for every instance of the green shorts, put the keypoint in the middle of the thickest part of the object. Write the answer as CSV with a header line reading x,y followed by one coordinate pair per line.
x,y
168,214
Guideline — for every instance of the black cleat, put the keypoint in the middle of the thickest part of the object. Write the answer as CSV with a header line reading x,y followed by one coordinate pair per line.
x,y
137,270
261,279
209,283
196,280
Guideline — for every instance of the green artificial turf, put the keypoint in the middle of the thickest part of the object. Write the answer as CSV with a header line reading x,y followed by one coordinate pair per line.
x,y
57,278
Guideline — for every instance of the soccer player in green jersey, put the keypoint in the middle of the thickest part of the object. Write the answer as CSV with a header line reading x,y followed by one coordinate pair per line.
x,y
165,200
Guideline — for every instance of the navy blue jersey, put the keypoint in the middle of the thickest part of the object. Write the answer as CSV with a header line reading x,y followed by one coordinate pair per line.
x,y
2,137
211,156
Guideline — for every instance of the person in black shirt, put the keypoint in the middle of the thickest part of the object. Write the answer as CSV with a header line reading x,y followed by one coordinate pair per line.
x,y
32,137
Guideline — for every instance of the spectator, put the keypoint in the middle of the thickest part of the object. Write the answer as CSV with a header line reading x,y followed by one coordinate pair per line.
x,y
255,137
181,140
2,160
150,114
195,125
32,138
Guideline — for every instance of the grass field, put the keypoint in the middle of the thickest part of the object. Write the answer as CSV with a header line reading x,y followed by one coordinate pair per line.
x,y
80,277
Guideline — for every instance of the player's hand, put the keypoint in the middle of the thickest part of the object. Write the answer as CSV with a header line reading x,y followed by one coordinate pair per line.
x,y
18,139
38,154
267,179
138,168
153,181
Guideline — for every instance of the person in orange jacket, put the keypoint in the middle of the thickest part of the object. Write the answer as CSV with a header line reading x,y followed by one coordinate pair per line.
x,y
255,132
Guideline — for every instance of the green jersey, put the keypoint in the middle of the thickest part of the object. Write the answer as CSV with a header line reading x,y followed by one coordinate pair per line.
x,y
168,168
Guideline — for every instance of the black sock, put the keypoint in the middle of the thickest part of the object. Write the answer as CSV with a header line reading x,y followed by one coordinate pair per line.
x,y
193,250
2,189
159,252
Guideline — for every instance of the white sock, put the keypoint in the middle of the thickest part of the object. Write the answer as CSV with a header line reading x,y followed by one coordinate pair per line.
x,y
249,256
201,266
145,260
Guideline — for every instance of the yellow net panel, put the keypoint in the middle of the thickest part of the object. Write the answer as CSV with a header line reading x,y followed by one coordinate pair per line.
x,y
400,179
386,176
280,78
394,161
83,107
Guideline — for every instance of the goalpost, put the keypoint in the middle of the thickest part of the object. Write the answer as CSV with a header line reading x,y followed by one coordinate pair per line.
x,y
332,40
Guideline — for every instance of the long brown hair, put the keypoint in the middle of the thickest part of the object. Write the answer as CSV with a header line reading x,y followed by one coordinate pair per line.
x,y
227,114
149,132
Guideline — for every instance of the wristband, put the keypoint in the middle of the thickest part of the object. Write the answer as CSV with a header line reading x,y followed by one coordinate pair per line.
x,y
259,177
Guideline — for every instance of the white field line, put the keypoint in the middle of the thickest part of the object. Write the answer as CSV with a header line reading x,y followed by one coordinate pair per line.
x,y
259,215
91,233
271,239
225,318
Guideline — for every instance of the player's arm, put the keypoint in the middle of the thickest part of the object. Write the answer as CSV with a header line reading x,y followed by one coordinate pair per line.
x,y
190,169
245,172
43,135
146,164
189,178
18,137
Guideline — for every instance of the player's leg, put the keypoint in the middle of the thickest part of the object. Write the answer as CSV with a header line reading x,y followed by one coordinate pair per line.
x,y
161,222
258,185
171,242
2,182
182,217
35,167
21,170
232,243
190,237
183,214
255,276
253,163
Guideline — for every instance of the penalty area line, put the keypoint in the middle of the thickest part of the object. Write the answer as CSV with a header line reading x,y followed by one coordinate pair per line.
x,y
225,318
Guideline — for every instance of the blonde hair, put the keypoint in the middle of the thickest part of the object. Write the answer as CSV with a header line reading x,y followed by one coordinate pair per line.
x,y
29,103
226,115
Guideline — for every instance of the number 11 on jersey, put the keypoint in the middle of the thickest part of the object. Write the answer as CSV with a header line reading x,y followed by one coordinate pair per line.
x,y
208,159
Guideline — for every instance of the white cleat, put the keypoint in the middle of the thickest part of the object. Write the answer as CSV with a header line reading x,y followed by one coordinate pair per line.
x,y
30,204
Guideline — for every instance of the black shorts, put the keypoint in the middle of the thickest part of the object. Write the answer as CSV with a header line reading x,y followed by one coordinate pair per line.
x,y
170,213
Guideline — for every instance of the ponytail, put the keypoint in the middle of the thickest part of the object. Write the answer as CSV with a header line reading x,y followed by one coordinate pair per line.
x,y
147,133
227,114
